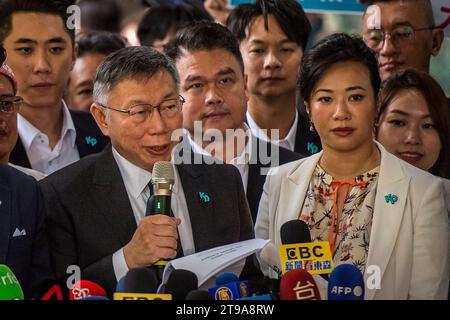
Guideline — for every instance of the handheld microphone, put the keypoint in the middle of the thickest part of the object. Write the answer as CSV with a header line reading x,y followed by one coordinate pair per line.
x,y
296,232
180,283
55,290
231,290
298,284
162,181
346,283
137,280
199,295
226,278
10,288
139,284
85,288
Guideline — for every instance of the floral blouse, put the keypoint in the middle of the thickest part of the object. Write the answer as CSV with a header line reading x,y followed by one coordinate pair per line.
x,y
349,237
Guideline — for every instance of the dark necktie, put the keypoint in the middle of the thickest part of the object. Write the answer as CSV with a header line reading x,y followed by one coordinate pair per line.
x,y
148,212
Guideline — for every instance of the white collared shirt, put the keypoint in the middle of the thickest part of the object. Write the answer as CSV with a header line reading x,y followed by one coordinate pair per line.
x,y
288,142
240,162
136,182
42,157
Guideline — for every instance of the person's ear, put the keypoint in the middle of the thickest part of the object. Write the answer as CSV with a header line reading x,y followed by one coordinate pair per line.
x,y
100,118
437,38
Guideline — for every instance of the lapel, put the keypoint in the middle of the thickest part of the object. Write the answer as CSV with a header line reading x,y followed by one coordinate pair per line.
x,y
201,214
112,196
19,156
5,218
292,193
387,217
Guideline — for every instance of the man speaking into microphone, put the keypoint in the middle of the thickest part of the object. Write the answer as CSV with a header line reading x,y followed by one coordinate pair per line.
x,y
97,208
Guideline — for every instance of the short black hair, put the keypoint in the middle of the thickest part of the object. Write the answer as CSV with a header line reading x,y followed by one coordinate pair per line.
x,y
205,35
162,19
136,63
338,47
99,42
56,7
100,15
427,8
288,13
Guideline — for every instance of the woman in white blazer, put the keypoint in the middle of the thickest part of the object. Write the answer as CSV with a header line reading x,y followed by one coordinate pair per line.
x,y
372,207
413,123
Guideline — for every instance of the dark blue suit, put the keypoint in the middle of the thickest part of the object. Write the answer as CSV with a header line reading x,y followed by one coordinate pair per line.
x,y
23,245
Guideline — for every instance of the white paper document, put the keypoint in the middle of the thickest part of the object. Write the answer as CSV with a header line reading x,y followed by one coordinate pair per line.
x,y
210,262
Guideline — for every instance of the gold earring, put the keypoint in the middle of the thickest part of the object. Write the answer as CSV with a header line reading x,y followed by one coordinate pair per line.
x,y
311,126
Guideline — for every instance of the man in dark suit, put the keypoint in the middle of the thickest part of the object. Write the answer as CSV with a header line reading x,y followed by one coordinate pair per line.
x,y
23,245
96,207
211,72
41,52
273,36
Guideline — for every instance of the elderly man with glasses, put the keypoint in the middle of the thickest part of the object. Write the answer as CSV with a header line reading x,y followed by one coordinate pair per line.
x,y
98,216
402,34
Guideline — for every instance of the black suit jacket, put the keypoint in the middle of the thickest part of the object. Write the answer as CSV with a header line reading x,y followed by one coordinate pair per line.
x,y
89,216
306,142
256,179
86,129
21,210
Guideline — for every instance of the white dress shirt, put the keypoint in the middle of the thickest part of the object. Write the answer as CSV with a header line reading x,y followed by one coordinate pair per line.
x,y
240,162
42,157
288,142
136,182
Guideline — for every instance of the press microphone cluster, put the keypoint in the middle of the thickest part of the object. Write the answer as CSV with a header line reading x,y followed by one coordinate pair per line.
x,y
344,283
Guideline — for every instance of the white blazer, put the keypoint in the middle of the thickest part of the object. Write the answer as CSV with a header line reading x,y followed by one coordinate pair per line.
x,y
409,240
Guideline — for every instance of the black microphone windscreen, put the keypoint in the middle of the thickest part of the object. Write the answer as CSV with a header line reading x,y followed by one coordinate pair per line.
x,y
180,283
295,231
140,280
199,295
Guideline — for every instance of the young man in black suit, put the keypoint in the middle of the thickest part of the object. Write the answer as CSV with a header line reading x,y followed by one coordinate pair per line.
x,y
97,207
39,42
273,36
212,82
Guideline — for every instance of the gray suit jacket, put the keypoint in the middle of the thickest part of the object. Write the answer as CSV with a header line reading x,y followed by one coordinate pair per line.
x,y
89,216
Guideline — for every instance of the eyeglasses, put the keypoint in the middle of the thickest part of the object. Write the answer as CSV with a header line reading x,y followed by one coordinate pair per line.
x,y
10,105
400,36
140,112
